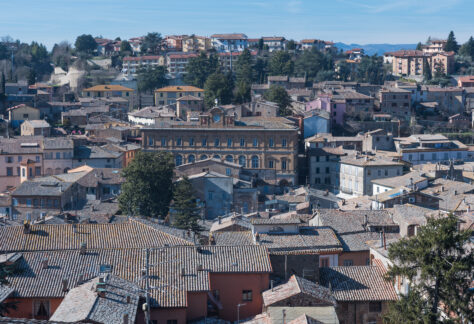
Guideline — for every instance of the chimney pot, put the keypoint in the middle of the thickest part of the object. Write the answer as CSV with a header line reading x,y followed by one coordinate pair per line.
x,y
83,248
26,227
65,282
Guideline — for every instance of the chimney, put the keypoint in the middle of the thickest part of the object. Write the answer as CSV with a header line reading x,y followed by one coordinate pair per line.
x,y
183,272
125,318
330,286
442,188
384,241
381,240
65,282
199,267
256,238
44,264
271,284
80,280
82,251
455,192
26,227
101,280
128,299
366,221
219,219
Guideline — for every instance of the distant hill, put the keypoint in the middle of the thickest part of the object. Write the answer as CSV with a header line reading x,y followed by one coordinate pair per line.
x,y
379,49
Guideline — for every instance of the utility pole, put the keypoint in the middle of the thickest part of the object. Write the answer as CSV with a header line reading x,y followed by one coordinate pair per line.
x,y
238,312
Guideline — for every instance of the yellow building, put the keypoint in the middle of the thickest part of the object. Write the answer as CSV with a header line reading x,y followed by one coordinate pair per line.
x,y
168,95
107,90
196,44
110,90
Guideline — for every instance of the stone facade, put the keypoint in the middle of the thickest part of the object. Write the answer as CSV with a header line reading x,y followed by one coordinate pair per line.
x,y
254,143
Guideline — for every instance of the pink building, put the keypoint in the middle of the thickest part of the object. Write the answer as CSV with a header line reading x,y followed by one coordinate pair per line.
x,y
335,108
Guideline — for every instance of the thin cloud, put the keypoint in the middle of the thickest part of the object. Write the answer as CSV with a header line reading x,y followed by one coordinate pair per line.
x,y
294,6
419,7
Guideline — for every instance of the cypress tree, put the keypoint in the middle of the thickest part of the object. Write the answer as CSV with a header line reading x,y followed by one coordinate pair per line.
x,y
451,43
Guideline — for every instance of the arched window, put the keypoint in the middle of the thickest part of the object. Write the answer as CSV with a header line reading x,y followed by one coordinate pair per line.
x,y
56,171
255,162
229,158
179,160
203,157
217,142
217,156
66,170
191,159
242,161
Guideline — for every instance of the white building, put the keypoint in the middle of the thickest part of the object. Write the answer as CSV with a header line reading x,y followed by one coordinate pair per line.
x,y
229,42
426,148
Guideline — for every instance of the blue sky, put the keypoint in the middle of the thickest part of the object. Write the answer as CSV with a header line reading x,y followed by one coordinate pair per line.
x,y
349,21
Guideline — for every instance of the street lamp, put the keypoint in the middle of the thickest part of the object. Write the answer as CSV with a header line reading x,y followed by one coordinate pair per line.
x,y
238,311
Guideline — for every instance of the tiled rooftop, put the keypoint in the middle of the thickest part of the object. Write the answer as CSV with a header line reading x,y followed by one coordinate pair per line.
x,y
177,269
132,234
83,304
358,283
294,286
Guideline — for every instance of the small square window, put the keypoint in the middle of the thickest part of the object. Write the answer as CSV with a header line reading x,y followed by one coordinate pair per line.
x,y
246,295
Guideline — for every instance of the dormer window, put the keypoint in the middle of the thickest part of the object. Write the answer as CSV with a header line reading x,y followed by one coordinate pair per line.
x,y
216,118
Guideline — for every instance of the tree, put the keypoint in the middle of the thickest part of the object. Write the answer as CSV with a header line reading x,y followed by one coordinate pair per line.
x,y
31,78
151,43
200,68
218,86
451,43
150,79
243,67
291,45
85,44
343,70
426,71
371,70
311,62
439,71
279,95
281,63
185,210
5,271
3,52
242,92
467,49
61,55
438,268
259,70
325,75
148,186
419,46
125,48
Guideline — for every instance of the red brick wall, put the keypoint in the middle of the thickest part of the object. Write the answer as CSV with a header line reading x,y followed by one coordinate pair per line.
x,y
197,305
359,258
230,288
24,307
